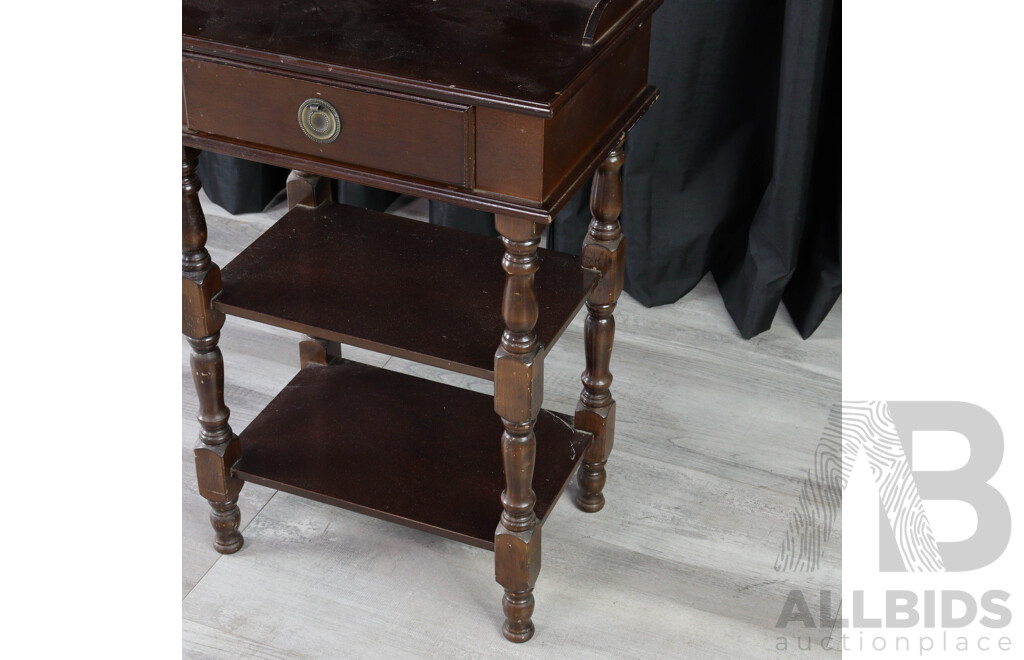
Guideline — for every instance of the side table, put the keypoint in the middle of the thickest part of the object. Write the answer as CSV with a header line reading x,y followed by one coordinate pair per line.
x,y
506,107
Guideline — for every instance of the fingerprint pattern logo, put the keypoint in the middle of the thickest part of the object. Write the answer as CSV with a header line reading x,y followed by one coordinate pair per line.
x,y
810,526
860,427
868,427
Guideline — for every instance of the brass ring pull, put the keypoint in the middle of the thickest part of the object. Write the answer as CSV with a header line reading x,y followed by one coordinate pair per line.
x,y
319,121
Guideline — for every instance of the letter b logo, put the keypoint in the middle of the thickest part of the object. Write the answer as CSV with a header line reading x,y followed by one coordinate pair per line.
x,y
903,524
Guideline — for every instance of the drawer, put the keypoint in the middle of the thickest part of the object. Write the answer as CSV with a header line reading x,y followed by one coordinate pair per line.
x,y
378,131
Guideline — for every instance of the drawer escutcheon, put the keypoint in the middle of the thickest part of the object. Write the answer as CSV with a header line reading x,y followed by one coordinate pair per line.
x,y
319,121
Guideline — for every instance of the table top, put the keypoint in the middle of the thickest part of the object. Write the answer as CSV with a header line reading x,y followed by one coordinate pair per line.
x,y
518,52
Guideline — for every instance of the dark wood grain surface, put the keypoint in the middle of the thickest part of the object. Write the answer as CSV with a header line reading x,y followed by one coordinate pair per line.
x,y
401,448
412,289
429,140
475,199
520,52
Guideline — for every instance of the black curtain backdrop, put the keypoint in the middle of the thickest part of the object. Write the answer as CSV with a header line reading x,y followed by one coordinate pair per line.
x,y
735,170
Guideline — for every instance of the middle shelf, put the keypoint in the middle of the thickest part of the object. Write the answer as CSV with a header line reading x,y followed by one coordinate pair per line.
x,y
393,285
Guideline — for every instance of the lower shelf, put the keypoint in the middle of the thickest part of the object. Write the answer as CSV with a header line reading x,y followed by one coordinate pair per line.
x,y
400,448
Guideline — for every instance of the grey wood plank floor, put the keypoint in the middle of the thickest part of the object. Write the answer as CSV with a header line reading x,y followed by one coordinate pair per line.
x,y
715,437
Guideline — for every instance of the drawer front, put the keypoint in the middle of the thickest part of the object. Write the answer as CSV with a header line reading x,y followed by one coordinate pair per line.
x,y
400,135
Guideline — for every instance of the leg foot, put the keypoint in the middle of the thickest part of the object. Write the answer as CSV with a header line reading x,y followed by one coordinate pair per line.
x,y
590,478
518,609
517,564
225,518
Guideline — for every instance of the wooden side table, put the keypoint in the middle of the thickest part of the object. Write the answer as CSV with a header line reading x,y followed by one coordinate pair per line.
x,y
506,107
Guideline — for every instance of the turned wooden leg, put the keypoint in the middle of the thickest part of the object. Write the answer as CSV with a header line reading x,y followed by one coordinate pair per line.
x,y
604,248
305,189
518,391
217,448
